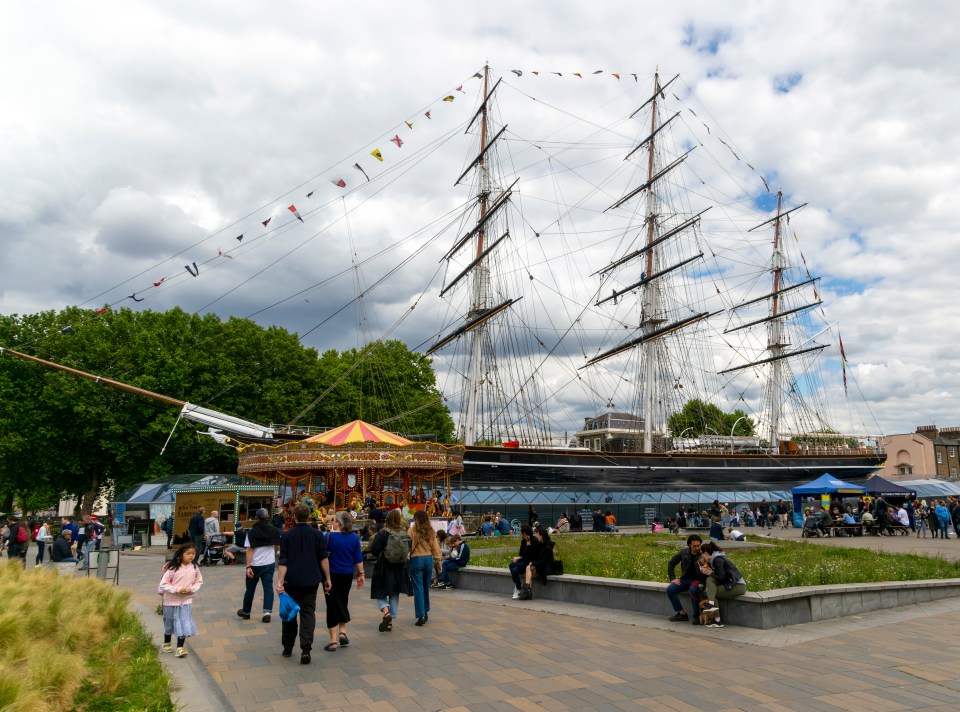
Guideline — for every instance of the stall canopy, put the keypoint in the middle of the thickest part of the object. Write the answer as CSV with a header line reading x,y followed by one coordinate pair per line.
x,y
879,487
825,484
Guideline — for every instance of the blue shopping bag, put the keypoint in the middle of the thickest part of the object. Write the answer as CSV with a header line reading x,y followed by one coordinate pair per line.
x,y
288,607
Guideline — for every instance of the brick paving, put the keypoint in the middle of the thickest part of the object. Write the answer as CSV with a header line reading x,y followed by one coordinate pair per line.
x,y
479,652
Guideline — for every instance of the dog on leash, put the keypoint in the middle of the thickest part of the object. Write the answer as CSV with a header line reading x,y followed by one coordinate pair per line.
x,y
710,615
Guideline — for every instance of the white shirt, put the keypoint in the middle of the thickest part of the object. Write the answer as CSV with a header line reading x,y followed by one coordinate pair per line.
x,y
903,517
262,555
42,533
735,534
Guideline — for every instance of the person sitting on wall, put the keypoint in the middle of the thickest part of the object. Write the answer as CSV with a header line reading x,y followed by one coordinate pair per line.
x,y
576,521
687,558
459,558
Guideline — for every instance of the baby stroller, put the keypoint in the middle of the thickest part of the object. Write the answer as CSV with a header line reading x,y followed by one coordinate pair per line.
x,y
214,553
810,528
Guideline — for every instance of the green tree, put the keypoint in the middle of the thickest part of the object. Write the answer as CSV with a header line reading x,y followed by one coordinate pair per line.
x,y
699,418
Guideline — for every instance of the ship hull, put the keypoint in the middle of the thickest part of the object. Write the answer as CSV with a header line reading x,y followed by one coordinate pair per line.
x,y
497,467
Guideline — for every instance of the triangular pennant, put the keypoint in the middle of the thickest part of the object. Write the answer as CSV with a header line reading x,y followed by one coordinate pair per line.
x,y
310,194
449,97
221,253
427,114
239,238
376,154
134,297
536,74
164,279
517,72
66,330
634,77
477,76
267,221
195,272
101,310
577,74
615,75
409,124
359,168
460,89
397,140
339,182
557,73
296,213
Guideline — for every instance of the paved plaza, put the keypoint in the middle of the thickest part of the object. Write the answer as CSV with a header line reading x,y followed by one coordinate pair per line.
x,y
480,652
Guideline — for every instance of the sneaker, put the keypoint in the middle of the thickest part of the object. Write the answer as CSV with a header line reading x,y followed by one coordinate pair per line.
x,y
516,594
266,617
181,652
166,648
305,657
436,584
447,585
711,607
715,624
243,614
677,617
287,652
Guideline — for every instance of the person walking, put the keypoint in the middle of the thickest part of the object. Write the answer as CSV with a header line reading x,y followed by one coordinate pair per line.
x,y
346,564
424,559
263,545
43,533
18,540
302,568
168,530
391,573
196,530
180,581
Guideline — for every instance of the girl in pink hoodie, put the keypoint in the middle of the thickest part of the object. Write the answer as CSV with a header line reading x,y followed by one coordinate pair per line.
x,y
181,579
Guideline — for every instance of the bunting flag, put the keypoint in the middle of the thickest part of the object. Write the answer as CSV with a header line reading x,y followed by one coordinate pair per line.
x,y
360,168
310,194
221,253
449,97
376,154
66,330
517,72
536,74
195,272
239,238
843,363
164,279
409,124
634,77
599,71
557,73
339,182
267,221
134,297
427,114
460,89
614,74
577,74
397,140
296,213
101,310
477,76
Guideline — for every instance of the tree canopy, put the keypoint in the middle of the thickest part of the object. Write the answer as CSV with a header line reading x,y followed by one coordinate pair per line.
x,y
61,435
699,418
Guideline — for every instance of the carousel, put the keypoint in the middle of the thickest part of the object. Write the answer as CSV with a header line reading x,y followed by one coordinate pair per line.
x,y
353,465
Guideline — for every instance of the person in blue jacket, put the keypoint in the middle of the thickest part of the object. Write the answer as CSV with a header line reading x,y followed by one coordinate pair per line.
x,y
459,557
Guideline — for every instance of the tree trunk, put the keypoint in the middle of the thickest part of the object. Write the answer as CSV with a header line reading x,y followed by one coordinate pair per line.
x,y
89,498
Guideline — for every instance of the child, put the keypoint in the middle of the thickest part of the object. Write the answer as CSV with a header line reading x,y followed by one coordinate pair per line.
x,y
181,579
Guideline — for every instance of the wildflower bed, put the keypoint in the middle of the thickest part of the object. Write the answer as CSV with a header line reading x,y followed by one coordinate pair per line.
x,y
73,644
788,563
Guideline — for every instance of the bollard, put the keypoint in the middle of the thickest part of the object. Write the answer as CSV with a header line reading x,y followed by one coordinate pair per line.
x,y
103,558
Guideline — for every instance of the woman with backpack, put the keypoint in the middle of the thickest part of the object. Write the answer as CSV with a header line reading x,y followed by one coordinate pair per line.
x,y
391,573
724,579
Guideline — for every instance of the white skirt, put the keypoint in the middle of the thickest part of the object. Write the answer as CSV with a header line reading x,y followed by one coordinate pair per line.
x,y
178,621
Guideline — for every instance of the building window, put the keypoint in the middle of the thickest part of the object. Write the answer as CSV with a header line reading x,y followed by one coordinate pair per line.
x,y
953,452
905,470
939,457
596,443
953,471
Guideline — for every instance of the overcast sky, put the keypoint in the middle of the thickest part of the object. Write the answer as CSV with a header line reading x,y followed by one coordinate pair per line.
x,y
132,132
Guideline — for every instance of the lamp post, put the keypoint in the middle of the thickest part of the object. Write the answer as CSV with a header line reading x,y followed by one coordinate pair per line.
x,y
735,423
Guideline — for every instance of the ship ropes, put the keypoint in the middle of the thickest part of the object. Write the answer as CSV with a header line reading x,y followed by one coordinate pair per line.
x,y
629,263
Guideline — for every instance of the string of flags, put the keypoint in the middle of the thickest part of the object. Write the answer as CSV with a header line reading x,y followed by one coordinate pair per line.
x,y
579,75
754,170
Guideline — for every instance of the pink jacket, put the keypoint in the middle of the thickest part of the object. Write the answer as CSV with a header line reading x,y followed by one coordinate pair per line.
x,y
172,581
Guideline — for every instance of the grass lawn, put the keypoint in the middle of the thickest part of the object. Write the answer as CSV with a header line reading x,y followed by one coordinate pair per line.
x,y
789,563
73,644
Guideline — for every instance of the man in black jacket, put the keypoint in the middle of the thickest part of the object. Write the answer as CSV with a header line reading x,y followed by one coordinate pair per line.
x,y
303,567
689,576
196,531
61,552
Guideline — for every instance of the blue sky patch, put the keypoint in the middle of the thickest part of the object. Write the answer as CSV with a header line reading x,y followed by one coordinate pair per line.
x,y
766,202
783,83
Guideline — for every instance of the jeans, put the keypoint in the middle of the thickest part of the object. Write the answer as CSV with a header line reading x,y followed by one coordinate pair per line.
x,y
421,569
944,531
41,547
68,560
516,573
446,569
306,598
392,602
673,589
264,575
87,549
200,543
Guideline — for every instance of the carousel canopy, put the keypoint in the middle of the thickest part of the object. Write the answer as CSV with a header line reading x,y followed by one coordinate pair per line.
x,y
358,432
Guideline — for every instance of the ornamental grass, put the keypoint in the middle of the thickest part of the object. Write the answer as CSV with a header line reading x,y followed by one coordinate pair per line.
x,y
787,563
72,644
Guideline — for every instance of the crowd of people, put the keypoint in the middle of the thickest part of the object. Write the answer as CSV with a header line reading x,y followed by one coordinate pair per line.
x,y
877,516
74,543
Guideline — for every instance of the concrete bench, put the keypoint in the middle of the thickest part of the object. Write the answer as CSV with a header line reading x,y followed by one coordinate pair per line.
x,y
766,609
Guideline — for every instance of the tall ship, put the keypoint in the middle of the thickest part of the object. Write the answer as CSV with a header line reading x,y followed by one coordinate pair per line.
x,y
623,305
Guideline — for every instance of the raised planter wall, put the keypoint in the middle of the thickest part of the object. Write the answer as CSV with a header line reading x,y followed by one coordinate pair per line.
x,y
768,609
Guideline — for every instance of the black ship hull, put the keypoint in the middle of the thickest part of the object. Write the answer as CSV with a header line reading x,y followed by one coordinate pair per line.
x,y
498,467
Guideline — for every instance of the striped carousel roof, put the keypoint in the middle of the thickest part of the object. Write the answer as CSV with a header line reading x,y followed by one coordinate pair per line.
x,y
358,432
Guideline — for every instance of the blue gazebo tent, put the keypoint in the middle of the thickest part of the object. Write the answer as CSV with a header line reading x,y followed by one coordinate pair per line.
x,y
825,484
876,486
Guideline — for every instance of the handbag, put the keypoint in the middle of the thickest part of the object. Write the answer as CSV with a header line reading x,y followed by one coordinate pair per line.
x,y
288,607
557,568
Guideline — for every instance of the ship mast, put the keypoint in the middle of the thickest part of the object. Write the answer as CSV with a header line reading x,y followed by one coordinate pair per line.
x,y
650,318
775,344
481,280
